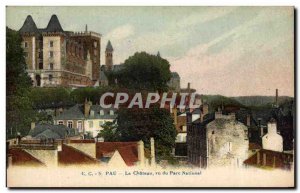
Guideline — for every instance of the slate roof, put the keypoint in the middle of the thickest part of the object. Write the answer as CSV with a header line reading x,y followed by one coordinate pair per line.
x,y
103,76
29,26
106,115
75,112
127,150
109,46
51,131
54,25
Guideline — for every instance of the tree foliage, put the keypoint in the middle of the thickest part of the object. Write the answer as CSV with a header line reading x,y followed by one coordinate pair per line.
x,y
19,112
142,124
55,97
145,72
109,132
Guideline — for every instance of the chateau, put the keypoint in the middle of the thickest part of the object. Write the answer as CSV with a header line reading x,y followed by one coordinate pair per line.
x,y
55,57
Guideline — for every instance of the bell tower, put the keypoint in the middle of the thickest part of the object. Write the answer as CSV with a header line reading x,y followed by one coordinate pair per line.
x,y
109,56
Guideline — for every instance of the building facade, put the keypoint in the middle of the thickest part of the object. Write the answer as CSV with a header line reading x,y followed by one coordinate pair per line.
x,y
55,57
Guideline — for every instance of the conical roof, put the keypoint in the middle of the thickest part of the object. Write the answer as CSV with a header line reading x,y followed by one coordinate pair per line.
x,y
54,25
28,26
109,46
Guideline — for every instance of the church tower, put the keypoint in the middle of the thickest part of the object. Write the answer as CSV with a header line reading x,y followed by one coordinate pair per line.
x,y
109,55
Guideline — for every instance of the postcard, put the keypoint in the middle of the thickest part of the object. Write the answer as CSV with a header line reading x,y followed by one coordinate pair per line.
x,y
156,97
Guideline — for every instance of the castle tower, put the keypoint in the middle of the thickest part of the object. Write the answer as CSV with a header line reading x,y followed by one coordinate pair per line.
x,y
109,55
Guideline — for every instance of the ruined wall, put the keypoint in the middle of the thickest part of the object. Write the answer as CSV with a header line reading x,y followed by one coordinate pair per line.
x,y
227,143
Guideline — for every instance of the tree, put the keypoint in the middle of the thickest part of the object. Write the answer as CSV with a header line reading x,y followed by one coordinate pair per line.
x,y
109,132
142,124
145,72
56,97
19,112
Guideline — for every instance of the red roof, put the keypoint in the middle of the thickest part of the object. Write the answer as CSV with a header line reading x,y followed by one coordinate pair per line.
x,y
282,160
82,141
127,150
70,155
21,157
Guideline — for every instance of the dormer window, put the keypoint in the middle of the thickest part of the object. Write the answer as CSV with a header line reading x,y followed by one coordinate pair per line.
x,y
101,112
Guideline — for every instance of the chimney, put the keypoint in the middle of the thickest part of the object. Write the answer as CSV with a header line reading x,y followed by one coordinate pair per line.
x,y
92,113
248,121
152,151
141,153
276,98
175,115
32,125
86,28
261,131
87,108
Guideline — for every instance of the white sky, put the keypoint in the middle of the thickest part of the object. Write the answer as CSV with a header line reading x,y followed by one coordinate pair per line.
x,y
231,51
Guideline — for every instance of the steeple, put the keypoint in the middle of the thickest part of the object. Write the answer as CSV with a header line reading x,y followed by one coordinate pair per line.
x,y
86,28
109,55
109,47
54,25
29,26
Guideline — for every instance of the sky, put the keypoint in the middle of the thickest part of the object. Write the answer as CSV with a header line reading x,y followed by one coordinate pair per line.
x,y
232,51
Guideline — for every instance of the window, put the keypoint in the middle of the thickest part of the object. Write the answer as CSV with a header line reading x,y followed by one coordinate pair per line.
x,y
229,146
91,124
51,54
79,126
51,44
26,54
95,44
101,112
95,52
101,123
60,122
41,55
50,77
111,112
51,66
25,44
70,124
40,65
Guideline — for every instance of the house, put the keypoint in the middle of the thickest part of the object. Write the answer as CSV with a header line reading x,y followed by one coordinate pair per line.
x,y
120,154
48,132
56,57
227,142
197,140
272,140
87,118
